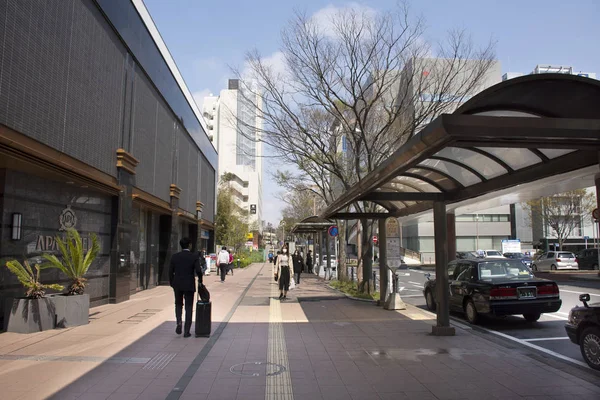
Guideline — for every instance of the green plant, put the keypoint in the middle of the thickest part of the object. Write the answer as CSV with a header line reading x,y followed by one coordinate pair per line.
x,y
30,279
352,289
75,263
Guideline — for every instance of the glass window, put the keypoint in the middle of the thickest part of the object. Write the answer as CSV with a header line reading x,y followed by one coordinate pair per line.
x,y
503,269
451,267
465,243
463,175
465,218
484,165
465,274
566,255
426,245
516,158
550,254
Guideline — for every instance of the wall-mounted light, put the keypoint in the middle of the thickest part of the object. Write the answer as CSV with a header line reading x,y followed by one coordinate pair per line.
x,y
17,219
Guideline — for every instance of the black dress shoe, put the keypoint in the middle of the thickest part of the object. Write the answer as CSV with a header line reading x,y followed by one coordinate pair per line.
x,y
187,334
178,329
280,296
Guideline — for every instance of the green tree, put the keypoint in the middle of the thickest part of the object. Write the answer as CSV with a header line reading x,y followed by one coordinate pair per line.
x,y
349,92
231,222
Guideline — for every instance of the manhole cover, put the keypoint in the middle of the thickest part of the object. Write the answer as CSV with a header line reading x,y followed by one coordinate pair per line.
x,y
257,368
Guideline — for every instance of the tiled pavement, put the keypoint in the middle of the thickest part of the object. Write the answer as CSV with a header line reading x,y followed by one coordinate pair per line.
x,y
319,345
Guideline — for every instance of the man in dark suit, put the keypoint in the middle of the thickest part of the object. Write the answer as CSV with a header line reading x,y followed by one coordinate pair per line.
x,y
181,277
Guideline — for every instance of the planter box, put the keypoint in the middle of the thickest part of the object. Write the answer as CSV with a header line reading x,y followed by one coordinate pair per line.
x,y
71,310
29,315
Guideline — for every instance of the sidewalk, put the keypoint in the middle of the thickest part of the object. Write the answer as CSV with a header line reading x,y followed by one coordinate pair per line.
x,y
315,345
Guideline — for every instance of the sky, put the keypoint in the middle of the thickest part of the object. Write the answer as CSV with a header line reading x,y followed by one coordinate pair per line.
x,y
208,38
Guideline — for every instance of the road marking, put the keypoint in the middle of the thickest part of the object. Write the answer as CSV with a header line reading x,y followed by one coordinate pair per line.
x,y
544,339
556,316
539,348
411,295
562,313
415,283
278,386
571,291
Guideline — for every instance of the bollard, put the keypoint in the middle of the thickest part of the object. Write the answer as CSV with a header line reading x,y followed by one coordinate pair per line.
x,y
352,272
374,280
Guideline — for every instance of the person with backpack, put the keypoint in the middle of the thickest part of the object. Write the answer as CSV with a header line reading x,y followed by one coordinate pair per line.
x,y
223,262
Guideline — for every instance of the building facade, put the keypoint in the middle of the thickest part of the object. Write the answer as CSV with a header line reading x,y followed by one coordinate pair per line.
x,y
234,125
98,132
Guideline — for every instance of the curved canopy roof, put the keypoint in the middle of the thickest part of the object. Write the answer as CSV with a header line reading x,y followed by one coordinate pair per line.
x,y
515,132
312,224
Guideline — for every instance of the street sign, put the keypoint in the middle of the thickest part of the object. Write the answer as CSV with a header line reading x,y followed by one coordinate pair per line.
x,y
333,231
586,238
375,239
596,213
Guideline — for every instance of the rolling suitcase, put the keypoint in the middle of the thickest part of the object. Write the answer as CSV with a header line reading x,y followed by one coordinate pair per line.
x,y
203,318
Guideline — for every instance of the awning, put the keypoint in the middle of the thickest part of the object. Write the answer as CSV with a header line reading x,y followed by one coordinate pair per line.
x,y
312,224
516,132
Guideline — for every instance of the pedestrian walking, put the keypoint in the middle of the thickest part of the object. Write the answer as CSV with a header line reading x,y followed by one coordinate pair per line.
x,y
282,272
309,262
298,266
223,262
184,265
230,266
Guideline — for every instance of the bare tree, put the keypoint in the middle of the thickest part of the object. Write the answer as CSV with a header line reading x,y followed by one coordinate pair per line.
x,y
563,213
350,94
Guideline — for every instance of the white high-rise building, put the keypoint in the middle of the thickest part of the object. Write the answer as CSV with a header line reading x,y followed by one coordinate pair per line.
x,y
234,126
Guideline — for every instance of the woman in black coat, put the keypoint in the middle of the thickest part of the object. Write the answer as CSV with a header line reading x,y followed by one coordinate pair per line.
x,y
298,266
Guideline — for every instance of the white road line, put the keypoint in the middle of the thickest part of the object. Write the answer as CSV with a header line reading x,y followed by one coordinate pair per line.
x,y
562,313
533,346
570,291
411,295
544,339
556,316
415,283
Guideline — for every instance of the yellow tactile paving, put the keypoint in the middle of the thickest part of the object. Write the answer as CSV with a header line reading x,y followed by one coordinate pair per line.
x,y
279,386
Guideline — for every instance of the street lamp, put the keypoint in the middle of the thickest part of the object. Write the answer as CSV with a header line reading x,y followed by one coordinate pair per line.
x,y
282,223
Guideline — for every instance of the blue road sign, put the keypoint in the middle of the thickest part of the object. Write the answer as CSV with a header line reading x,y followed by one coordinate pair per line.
x,y
333,231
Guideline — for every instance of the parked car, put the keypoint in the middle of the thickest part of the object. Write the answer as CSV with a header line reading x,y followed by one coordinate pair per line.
x,y
492,254
463,255
554,260
492,286
333,262
588,259
525,259
583,328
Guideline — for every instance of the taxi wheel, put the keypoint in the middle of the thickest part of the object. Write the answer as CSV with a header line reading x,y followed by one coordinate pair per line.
x,y
532,317
429,300
471,312
589,342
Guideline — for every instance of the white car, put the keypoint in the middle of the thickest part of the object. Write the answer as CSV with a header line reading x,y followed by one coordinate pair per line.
x,y
333,263
492,254
554,260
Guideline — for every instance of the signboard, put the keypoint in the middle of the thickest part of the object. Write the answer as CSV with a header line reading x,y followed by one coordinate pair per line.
x,y
392,227
596,213
375,239
333,231
252,208
511,246
204,234
392,241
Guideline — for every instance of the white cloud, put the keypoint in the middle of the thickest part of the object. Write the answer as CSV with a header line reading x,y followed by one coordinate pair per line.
x,y
199,97
324,18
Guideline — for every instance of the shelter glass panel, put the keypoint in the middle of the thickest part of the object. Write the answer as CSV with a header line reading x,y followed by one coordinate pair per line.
x,y
484,165
516,158
397,187
416,183
464,176
553,153
438,178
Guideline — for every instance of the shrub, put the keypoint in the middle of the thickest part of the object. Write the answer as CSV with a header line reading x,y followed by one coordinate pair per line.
x,y
30,279
351,288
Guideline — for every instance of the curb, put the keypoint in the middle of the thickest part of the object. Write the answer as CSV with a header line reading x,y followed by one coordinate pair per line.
x,y
352,297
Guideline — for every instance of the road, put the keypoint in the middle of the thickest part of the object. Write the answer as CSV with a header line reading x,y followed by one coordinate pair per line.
x,y
548,334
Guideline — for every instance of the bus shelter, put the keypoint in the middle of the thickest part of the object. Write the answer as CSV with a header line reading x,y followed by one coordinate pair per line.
x,y
521,139
317,227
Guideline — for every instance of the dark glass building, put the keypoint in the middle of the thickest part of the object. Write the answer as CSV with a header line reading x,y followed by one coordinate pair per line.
x,y
98,132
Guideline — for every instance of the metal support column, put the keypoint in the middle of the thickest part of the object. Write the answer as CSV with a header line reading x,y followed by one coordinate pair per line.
x,y
383,268
442,327
328,250
451,229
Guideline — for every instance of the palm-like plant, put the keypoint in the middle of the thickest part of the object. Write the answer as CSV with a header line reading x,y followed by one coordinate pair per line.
x,y
75,263
31,279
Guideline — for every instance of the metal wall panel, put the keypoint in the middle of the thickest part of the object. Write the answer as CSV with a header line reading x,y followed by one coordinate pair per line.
x,y
183,155
163,167
144,131
207,190
192,187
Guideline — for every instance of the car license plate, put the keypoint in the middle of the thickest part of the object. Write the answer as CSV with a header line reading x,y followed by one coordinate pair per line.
x,y
527,292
